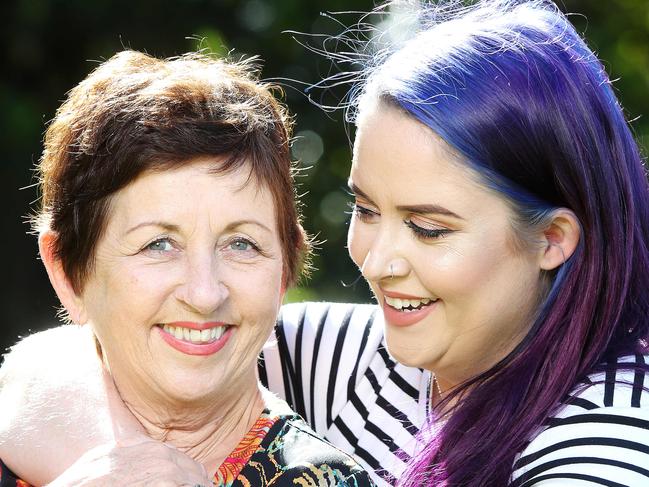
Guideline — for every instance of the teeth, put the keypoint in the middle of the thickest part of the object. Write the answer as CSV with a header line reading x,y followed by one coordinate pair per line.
x,y
402,304
195,336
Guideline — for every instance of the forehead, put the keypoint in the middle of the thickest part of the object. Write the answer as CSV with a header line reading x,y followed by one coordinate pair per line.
x,y
400,154
192,190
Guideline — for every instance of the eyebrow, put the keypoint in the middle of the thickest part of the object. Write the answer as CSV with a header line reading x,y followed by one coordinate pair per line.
x,y
160,224
421,209
170,227
239,223
357,191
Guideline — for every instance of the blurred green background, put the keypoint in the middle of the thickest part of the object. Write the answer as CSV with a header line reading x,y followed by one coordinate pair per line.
x,y
48,46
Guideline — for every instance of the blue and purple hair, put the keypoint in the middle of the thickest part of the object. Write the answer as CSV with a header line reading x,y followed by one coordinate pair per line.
x,y
515,90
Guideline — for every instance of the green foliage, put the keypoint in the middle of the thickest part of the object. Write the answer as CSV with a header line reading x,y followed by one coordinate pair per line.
x,y
618,31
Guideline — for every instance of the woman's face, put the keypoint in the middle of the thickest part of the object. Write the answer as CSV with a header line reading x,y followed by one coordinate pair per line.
x,y
187,283
461,294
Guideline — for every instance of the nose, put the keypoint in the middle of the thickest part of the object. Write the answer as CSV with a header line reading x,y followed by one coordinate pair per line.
x,y
384,259
203,289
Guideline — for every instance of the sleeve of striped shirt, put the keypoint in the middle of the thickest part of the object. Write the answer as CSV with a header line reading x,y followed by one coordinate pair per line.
x,y
600,437
314,358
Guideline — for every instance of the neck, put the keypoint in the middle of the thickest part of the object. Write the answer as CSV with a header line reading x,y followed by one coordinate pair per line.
x,y
439,390
440,386
436,391
207,431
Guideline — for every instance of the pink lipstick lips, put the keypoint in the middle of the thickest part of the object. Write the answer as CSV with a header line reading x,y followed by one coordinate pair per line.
x,y
405,310
195,338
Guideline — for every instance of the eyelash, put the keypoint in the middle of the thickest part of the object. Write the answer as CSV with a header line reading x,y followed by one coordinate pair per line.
x,y
148,246
252,244
360,212
363,214
156,241
427,233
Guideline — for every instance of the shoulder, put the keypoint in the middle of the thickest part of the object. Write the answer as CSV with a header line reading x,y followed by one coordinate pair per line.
x,y
41,379
292,453
50,347
307,459
314,314
344,330
600,433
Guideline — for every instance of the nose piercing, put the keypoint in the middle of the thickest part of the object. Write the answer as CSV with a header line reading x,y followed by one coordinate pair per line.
x,y
391,272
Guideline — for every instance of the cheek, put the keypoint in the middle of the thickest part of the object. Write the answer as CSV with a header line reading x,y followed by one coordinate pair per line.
x,y
483,285
464,267
273,285
147,285
255,299
128,297
258,288
358,241
467,272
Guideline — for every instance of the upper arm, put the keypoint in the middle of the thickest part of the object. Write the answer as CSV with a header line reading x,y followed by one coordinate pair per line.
x,y
603,446
54,403
307,459
318,352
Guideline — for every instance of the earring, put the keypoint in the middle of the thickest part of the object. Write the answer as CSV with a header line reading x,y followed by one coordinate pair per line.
x,y
391,272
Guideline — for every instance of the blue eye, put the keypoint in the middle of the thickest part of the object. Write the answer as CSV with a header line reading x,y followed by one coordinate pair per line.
x,y
160,245
242,245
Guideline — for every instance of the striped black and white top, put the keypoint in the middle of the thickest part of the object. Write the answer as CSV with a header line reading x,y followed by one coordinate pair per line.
x,y
599,436
330,363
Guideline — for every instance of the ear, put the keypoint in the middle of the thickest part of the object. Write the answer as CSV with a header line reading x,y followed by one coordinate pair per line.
x,y
70,300
561,237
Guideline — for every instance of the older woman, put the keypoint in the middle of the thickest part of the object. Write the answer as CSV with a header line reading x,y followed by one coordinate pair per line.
x,y
501,218
169,230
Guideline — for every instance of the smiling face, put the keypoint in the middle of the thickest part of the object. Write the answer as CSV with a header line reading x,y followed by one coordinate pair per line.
x,y
186,284
437,249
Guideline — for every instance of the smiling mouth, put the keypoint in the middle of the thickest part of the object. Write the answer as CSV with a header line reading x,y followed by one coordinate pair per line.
x,y
408,305
197,337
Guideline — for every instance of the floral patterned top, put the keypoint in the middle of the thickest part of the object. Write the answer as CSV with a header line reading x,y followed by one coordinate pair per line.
x,y
230,469
279,450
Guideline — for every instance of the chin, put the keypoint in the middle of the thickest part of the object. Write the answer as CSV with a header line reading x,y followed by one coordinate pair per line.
x,y
411,357
403,356
189,395
188,385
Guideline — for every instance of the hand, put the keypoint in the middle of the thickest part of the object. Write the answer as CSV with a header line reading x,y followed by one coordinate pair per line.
x,y
139,462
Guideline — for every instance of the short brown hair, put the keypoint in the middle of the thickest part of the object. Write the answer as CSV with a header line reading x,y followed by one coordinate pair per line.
x,y
136,113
